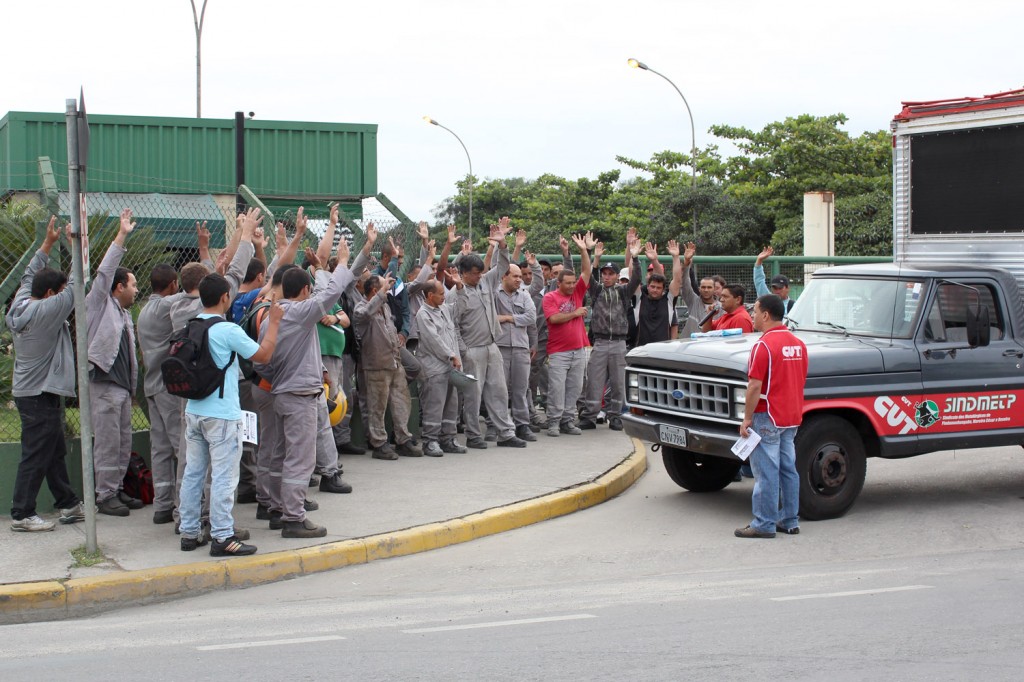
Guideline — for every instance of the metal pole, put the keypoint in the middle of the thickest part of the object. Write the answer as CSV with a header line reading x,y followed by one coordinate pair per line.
x,y
198,19
81,327
239,160
470,174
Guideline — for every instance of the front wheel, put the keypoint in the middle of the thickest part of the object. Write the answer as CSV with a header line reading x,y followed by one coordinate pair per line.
x,y
831,464
698,473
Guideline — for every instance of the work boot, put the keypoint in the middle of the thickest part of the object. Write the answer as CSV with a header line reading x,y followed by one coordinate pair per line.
x,y
349,449
492,435
587,425
129,501
570,428
385,451
525,433
432,449
310,505
408,449
275,520
615,423
112,507
512,442
246,497
302,529
163,516
477,443
334,484
452,446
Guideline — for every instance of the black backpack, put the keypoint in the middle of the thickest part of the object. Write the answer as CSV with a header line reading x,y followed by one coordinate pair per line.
x,y
189,370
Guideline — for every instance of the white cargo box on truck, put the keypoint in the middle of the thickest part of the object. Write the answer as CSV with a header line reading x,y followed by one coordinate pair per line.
x,y
958,182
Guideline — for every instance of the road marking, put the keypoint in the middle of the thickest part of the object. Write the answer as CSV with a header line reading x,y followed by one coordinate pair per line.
x,y
854,593
269,642
500,623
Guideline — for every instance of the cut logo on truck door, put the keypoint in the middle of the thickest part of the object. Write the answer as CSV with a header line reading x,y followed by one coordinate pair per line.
x,y
902,415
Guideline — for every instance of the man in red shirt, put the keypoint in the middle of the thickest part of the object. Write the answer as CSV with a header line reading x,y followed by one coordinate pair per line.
x,y
776,374
567,342
734,313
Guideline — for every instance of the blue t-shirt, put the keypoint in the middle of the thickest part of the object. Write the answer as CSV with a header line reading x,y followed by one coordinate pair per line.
x,y
241,305
224,339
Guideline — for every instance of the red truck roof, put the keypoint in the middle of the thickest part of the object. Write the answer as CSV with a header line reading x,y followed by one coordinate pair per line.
x,y
911,110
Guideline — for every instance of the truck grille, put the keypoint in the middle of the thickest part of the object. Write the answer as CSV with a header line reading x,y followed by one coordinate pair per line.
x,y
684,394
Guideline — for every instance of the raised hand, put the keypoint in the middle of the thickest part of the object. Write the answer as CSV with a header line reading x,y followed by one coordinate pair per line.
x,y
631,237
251,220
531,259
452,237
343,252
300,221
202,236
334,214
765,253
423,231
581,242
452,279
431,252
496,235
520,238
598,250
52,234
672,248
635,248
127,225
371,233
467,247
651,251
589,240
691,249
281,237
504,226
387,281
563,244
313,258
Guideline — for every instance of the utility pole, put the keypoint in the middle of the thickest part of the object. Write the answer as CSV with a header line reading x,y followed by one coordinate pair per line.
x,y
198,19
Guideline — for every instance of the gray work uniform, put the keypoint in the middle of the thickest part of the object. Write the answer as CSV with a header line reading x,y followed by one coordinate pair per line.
x,y
439,400
514,345
609,327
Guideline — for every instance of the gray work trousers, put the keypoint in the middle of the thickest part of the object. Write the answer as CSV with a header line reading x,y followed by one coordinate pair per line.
x,y
164,436
439,407
607,366
268,480
485,363
539,375
296,418
112,436
387,387
565,381
336,379
326,450
247,464
516,362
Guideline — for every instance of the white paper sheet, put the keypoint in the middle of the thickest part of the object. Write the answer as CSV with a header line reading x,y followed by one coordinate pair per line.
x,y
250,428
746,444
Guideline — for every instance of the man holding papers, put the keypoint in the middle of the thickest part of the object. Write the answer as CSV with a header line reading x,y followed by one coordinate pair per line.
x,y
776,373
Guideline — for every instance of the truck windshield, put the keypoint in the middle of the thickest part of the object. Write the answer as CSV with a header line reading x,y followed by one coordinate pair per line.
x,y
858,306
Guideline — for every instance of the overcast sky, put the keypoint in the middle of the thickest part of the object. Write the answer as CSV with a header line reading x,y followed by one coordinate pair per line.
x,y
530,86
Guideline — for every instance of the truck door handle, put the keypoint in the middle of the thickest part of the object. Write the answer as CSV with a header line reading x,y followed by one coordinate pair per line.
x,y
1011,353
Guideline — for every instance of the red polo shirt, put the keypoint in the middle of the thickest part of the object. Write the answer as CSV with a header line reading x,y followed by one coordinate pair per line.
x,y
737,319
779,360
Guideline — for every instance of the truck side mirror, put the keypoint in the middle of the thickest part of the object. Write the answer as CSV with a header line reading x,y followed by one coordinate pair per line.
x,y
978,329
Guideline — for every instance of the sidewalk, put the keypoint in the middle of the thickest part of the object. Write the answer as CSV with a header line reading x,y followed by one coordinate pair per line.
x,y
388,497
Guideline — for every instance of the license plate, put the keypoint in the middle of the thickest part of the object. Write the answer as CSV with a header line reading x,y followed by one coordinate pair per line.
x,y
672,435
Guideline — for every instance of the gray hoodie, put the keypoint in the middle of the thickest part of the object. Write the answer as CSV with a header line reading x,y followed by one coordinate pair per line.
x,y
44,359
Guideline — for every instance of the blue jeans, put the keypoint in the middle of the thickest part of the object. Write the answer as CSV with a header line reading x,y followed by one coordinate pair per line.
x,y
217,444
776,499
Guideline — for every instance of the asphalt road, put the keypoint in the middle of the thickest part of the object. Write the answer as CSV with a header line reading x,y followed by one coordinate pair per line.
x,y
922,580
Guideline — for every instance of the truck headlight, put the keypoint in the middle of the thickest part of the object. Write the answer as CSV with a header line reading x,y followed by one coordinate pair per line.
x,y
632,379
739,402
633,395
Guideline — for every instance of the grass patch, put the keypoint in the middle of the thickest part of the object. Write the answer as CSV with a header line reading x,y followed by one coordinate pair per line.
x,y
84,559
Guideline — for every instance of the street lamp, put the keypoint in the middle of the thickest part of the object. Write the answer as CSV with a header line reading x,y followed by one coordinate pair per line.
x,y
435,123
637,64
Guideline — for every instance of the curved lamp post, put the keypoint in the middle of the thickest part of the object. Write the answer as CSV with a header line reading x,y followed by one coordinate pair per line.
x,y
435,123
636,64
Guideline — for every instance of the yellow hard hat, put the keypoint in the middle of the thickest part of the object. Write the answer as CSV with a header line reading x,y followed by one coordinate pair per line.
x,y
337,407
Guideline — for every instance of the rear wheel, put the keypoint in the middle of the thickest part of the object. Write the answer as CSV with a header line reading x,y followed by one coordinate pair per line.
x,y
831,463
698,473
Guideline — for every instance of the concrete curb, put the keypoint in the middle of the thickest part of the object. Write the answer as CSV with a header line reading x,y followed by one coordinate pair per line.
x,y
54,600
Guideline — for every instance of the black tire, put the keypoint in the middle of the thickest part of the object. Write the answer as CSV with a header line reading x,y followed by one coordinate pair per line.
x,y
698,473
831,463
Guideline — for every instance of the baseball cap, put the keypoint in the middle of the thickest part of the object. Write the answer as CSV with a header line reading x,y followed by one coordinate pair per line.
x,y
609,266
779,282
624,273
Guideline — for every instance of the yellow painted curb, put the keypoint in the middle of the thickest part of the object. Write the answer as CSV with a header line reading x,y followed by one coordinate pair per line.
x,y
23,602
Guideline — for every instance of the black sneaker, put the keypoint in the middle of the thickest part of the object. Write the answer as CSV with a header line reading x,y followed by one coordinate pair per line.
x,y
163,516
512,442
334,484
275,521
262,513
615,423
189,544
586,425
795,530
231,546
